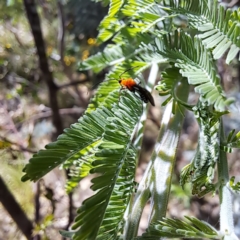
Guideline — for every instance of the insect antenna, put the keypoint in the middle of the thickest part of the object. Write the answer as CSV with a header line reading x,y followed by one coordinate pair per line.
x,y
127,71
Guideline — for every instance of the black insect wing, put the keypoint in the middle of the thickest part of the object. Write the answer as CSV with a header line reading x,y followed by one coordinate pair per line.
x,y
144,94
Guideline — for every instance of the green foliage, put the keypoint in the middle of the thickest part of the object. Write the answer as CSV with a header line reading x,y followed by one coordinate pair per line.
x,y
200,171
220,27
143,33
110,84
234,186
100,143
111,55
110,24
194,63
173,228
232,141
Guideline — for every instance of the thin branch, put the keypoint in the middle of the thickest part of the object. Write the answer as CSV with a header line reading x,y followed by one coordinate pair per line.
x,y
61,32
15,211
34,22
37,191
73,83
48,113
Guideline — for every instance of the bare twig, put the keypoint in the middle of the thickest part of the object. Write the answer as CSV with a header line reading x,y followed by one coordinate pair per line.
x,y
15,211
34,22
48,113
73,83
61,32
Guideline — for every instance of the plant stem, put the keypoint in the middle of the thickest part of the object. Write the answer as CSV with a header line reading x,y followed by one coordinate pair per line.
x,y
164,156
143,192
226,211
141,198
157,178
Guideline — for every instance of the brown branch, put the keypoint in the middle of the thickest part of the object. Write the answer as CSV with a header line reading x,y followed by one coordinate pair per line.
x,y
48,113
34,22
73,83
15,211
61,32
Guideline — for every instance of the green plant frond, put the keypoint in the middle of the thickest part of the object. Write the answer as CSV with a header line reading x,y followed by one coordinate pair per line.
x,y
111,55
188,228
221,27
143,14
234,186
79,169
111,158
118,53
114,165
112,223
75,143
233,141
167,86
133,7
149,55
195,63
110,25
224,33
78,141
115,5
110,84
200,172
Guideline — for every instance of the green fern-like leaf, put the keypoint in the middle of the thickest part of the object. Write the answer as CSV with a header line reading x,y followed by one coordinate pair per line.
x,y
200,172
195,63
73,144
115,166
234,186
144,14
126,49
233,141
100,143
103,96
220,27
191,228
111,55
167,86
110,25
115,5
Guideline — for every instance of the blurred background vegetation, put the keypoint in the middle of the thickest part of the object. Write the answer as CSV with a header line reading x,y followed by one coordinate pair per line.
x,y
36,104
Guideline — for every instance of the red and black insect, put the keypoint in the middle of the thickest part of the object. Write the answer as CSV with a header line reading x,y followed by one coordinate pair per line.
x,y
133,86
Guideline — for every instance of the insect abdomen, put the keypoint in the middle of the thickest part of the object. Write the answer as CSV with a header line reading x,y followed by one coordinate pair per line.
x,y
145,95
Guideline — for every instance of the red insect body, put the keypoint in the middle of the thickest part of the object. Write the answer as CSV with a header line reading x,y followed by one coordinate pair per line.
x,y
132,86
128,83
